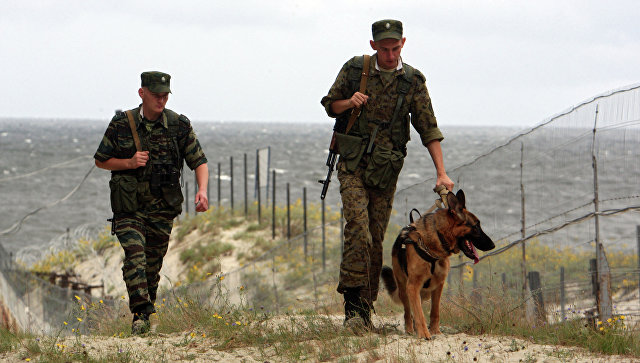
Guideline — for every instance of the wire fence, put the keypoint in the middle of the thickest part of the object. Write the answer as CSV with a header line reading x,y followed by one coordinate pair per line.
x,y
548,197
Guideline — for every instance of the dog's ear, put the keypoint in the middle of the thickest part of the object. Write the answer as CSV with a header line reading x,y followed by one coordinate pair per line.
x,y
455,207
461,199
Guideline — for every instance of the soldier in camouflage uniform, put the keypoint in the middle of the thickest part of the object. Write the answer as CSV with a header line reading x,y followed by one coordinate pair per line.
x,y
372,154
145,187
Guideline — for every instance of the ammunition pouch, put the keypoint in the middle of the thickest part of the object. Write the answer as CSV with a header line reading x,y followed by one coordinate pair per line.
x,y
351,150
383,167
124,193
165,182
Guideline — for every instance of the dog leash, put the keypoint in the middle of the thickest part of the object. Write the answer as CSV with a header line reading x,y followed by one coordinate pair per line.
x,y
441,202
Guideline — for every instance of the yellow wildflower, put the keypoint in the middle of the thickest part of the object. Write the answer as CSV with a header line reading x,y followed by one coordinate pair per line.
x,y
599,322
238,323
193,335
122,297
64,322
79,319
101,302
221,278
609,320
82,307
622,317
77,297
204,335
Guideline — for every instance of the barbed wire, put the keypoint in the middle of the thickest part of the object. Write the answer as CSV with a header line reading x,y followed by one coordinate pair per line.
x,y
16,226
64,163
605,213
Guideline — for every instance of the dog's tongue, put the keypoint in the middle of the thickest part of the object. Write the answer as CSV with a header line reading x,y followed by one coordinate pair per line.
x,y
476,259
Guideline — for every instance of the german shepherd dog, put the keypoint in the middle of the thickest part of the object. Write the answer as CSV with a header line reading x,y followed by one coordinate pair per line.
x,y
420,259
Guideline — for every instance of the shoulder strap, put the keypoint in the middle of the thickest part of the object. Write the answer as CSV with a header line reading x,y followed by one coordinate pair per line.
x,y
363,87
134,131
404,85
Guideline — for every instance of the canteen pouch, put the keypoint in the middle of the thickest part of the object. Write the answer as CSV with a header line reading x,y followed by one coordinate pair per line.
x,y
351,150
173,196
383,167
124,198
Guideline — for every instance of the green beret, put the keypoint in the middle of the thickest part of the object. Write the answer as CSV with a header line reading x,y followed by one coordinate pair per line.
x,y
386,29
157,82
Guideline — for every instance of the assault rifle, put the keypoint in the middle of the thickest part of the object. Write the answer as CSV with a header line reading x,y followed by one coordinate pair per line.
x,y
343,128
331,163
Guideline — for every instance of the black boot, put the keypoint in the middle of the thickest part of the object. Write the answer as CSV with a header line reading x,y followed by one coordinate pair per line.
x,y
355,305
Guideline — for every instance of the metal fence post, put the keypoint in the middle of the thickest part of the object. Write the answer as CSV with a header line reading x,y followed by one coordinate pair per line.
x,y
304,218
231,181
273,207
246,191
186,199
288,214
219,188
258,187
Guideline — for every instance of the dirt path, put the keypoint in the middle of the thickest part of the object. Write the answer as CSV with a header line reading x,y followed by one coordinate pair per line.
x,y
392,347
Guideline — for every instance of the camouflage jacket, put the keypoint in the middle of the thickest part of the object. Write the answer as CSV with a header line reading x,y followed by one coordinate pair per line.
x,y
382,101
154,137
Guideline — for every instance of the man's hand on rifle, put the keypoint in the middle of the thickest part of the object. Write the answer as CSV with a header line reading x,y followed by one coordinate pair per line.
x,y
357,100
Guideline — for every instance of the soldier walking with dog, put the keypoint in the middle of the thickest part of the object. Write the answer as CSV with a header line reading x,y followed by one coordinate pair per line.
x,y
374,99
145,149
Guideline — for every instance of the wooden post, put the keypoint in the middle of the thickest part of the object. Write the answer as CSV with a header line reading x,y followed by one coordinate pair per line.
x,y
538,299
562,294
603,274
523,263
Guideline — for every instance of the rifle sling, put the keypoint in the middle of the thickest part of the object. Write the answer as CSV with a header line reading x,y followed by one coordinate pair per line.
x,y
134,131
363,87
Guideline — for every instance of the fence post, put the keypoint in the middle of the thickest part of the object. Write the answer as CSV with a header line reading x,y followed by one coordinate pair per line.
x,y
523,263
246,191
562,294
231,181
288,214
273,207
186,199
258,187
603,274
324,255
538,299
638,240
304,218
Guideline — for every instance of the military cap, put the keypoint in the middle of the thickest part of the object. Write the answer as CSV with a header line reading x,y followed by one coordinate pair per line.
x,y
385,29
157,82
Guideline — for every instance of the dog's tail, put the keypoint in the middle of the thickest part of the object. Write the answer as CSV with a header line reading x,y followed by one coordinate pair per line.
x,y
390,283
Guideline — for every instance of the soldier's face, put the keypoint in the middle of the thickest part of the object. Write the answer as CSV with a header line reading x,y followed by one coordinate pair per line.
x,y
153,101
388,51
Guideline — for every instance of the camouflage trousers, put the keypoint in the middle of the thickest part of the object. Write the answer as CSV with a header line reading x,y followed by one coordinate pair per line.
x,y
367,213
144,236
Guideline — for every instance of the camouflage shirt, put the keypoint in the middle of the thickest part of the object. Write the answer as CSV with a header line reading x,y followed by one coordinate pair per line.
x,y
382,101
118,140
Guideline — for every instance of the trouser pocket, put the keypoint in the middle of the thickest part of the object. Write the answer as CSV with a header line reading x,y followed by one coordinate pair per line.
x,y
124,198
383,167
351,149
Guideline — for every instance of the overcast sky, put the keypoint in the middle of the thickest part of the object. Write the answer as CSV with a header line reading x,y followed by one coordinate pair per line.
x,y
486,62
